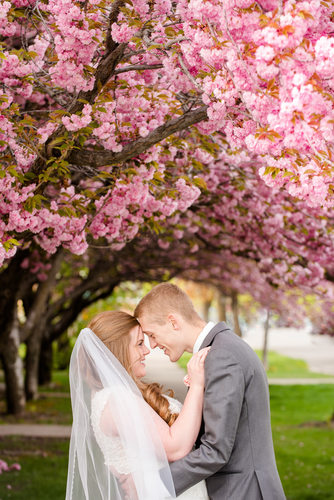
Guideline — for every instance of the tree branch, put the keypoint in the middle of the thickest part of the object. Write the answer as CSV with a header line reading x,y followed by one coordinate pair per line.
x,y
68,316
104,72
137,67
99,158
110,44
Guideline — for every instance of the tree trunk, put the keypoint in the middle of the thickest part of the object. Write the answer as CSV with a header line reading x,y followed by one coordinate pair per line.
x,y
35,326
206,309
14,282
45,363
235,310
265,342
32,365
13,369
221,305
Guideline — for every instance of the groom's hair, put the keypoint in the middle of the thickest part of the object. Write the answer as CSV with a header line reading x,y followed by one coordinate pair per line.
x,y
164,299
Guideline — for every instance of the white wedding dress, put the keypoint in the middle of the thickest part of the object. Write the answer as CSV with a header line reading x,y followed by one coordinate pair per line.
x,y
114,454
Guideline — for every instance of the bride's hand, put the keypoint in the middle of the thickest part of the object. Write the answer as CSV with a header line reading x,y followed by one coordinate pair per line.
x,y
195,368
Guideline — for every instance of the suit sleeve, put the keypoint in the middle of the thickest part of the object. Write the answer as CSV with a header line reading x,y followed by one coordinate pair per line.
x,y
224,395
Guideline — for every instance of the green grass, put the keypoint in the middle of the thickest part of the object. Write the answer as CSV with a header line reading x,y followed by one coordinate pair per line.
x,y
42,411
47,409
303,439
60,382
44,468
285,367
279,366
302,430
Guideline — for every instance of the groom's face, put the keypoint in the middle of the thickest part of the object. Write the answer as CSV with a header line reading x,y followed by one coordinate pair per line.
x,y
163,336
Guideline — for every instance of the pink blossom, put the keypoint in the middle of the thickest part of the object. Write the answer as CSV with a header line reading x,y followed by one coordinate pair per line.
x,y
122,33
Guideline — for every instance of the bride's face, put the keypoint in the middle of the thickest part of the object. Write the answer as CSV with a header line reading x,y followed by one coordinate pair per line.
x,y
137,352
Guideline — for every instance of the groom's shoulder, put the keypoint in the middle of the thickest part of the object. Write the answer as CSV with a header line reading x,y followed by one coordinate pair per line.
x,y
223,334
226,341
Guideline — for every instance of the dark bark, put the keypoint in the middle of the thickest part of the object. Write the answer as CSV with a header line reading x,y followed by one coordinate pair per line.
x,y
221,306
67,315
104,72
114,11
45,363
206,309
13,282
35,325
265,342
13,369
235,310
32,363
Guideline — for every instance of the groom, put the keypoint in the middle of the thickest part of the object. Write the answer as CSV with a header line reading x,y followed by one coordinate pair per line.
x,y
234,450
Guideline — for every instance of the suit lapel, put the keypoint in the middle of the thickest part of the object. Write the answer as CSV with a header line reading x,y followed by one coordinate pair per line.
x,y
219,327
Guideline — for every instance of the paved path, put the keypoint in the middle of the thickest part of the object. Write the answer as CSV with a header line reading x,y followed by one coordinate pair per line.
x,y
301,381
43,394
36,430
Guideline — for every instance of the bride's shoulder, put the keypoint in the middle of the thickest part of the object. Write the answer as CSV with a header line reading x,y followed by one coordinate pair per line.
x,y
101,397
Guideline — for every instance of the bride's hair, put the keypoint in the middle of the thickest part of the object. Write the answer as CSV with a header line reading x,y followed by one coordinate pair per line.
x,y
113,328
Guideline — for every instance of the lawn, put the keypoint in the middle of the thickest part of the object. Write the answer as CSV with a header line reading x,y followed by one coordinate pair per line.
x,y
285,367
42,411
49,408
44,468
60,382
303,438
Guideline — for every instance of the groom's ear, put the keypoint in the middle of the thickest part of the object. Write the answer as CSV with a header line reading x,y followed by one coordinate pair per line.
x,y
173,320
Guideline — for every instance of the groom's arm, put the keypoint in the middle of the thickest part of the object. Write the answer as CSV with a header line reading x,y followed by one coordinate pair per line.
x,y
224,394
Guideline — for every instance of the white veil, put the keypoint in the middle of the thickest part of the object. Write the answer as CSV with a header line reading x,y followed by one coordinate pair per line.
x,y
115,451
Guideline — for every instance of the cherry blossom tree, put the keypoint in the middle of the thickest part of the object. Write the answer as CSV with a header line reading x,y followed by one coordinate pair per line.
x,y
93,93
208,123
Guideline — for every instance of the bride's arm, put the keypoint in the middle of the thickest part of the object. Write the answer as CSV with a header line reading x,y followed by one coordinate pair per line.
x,y
179,438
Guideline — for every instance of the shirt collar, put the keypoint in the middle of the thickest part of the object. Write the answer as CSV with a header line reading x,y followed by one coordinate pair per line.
x,y
200,339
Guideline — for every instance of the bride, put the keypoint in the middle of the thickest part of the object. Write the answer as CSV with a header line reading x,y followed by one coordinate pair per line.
x,y
126,431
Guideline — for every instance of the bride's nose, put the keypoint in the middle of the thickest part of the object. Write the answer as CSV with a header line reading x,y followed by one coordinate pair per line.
x,y
147,351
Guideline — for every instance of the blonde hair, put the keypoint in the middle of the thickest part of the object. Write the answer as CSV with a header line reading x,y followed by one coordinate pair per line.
x,y
164,299
113,328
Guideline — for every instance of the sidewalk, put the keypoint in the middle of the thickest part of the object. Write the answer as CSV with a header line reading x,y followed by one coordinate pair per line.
x,y
36,430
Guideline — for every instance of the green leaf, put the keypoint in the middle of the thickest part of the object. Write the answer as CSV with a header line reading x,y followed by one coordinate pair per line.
x,y
155,46
200,183
12,242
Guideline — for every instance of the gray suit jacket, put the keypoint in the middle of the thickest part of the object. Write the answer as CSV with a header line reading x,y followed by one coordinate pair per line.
x,y
234,451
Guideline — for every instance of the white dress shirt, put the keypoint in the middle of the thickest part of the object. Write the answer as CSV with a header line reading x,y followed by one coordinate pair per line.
x,y
200,339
